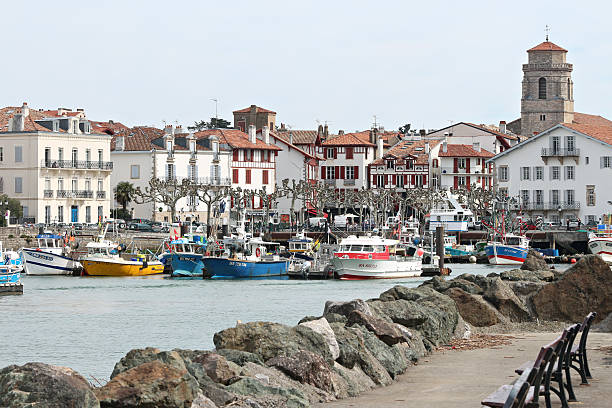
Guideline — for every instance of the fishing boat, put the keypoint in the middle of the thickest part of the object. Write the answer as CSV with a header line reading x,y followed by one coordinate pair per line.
x,y
10,258
186,256
10,269
302,246
52,256
601,243
510,249
374,257
451,215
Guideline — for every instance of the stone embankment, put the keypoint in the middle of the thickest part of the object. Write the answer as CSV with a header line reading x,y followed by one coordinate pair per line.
x,y
353,347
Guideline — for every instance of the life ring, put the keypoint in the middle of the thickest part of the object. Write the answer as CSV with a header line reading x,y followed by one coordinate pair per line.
x,y
257,252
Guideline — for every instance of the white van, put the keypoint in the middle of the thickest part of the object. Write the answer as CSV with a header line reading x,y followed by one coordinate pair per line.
x,y
317,222
340,221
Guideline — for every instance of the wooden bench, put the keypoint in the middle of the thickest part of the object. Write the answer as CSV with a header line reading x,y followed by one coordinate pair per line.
x,y
512,396
578,353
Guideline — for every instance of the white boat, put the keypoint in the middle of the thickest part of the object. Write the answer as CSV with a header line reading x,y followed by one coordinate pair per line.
x,y
373,257
510,250
453,218
11,258
50,257
602,245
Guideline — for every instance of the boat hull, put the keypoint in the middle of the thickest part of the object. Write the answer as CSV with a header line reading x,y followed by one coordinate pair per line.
x,y
9,274
224,268
357,269
111,267
602,247
499,254
186,265
36,262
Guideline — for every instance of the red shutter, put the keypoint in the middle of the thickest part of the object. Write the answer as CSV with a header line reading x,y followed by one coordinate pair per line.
x,y
335,152
405,179
235,153
394,180
322,172
248,176
349,152
342,173
264,176
231,202
455,165
325,152
356,172
467,165
235,176
337,172
424,179
467,182
374,180
455,182
412,179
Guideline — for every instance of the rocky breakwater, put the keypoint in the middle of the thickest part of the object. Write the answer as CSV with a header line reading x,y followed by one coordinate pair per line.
x,y
351,348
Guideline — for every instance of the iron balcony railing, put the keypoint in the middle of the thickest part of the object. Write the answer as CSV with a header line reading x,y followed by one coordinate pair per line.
x,y
76,164
74,194
48,193
213,181
558,152
562,205
349,182
100,194
451,170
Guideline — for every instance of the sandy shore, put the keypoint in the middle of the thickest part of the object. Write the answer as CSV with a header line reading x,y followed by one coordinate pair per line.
x,y
463,376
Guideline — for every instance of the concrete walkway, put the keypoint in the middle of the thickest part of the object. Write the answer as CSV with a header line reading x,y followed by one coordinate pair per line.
x,y
463,378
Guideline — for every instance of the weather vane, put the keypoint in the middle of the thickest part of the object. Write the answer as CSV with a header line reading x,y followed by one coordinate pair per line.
x,y
547,29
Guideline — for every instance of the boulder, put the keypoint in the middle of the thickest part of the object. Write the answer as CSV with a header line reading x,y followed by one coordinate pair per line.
x,y
534,262
474,310
605,325
389,333
137,357
504,299
269,340
254,388
240,357
402,292
345,308
305,367
391,358
202,402
151,384
357,381
217,368
43,385
212,390
466,286
583,288
322,327
528,275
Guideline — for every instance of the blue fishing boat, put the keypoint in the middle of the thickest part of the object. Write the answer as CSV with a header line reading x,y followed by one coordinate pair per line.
x,y
186,256
510,250
10,267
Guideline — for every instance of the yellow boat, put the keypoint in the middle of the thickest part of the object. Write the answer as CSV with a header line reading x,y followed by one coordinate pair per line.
x,y
103,259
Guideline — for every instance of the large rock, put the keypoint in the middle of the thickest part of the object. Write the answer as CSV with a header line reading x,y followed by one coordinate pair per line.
x,y
528,275
240,357
202,402
473,308
272,339
605,325
254,388
345,308
322,327
305,367
391,358
389,333
137,357
506,301
357,381
585,287
152,384
534,262
212,390
43,385
217,368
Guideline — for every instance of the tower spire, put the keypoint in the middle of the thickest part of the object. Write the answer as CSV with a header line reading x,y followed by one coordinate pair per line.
x,y
547,29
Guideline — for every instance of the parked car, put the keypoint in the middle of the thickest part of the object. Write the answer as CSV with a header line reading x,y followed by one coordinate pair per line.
x,y
549,225
317,222
139,226
573,223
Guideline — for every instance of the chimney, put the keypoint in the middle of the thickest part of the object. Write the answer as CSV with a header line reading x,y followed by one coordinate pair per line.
x,y
445,146
427,147
476,146
372,136
178,130
502,126
325,131
290,137
282,126
169,130
340,132
266,135
119,143
110,121
379,148
320,130
25,110
253,108
252,137
422,132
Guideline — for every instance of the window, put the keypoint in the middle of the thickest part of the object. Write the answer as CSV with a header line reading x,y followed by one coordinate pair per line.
x,y
349,152
380,180
330,173
88,155
503,173
47,184
555,173
503,191
75,184
590,195
18,154
56,125
192,172
570,143
542,118
606,162
390,164
235,176
586,160
1,154
569,172
88,214
88,185
538,197
330,152
461,163
461,181
1,185
539,173
60,153
264,177
60,184
525,173
569,197
60,213
47,214
18,185
555,143
170,174
192,201
100,185
542,88
75,156
135,171
248,176
100,213
525,196
350,173
400,181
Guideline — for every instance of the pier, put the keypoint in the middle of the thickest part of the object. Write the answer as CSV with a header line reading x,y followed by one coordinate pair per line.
x,y
11,289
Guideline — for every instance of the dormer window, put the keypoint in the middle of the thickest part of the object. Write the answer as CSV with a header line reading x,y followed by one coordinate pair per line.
x,y
192,146
390,164
169,146
56,125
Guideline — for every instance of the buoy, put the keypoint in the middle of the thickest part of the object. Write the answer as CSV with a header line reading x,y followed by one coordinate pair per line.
x,y
573,260
564,259
472,259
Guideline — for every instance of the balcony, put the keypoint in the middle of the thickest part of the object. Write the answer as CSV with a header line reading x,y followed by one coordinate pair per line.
x,y
48,193
211,181
76,164
101,194
552,152
74,194
548,206
349,182
331,182
475,171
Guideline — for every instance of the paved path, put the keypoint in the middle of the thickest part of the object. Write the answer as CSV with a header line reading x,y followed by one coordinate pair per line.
x,y
463,378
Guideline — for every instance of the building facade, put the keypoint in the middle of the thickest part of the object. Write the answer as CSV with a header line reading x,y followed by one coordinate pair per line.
x,y
463,166
492,139
55,165
254,116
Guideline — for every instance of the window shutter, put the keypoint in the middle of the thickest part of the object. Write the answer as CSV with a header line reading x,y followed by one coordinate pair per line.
x,y
337,172
601,162
405,179
234,177
356,172
335,152
235,155
325,152
467,164
413,179
455,182
374,180
342,173
455,165
322,172
467,182
424,179
394,180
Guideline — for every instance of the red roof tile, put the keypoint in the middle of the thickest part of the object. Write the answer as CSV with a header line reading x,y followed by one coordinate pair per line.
x,y
138,138
595,120
547,46
602,133
109,128
29,123
299,136
461,150
409,148
350,139
236,138
257,110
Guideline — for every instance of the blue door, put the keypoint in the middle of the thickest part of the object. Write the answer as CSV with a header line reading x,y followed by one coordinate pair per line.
x,y
74,213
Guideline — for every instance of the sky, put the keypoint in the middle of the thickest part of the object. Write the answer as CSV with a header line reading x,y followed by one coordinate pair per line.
x,y
335,62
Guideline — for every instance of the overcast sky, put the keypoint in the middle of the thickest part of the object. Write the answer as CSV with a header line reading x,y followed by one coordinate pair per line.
x,y
424,63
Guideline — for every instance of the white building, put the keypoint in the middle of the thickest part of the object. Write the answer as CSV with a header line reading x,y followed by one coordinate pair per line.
x,y
561,173
55,165
492,139
463,166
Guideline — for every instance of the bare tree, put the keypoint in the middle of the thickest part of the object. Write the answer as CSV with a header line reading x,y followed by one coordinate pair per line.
x,y
211,195
167,192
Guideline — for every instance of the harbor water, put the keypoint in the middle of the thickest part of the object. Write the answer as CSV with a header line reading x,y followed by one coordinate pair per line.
x,y
89,323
